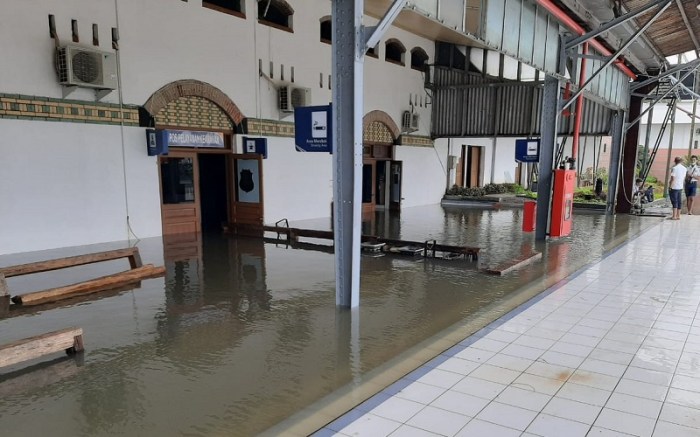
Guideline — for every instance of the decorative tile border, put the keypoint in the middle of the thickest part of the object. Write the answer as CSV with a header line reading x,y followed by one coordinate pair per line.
x,y
19,106
415,141
270,128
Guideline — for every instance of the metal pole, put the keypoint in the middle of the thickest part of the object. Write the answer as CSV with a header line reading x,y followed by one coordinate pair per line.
x,y
692,123
347,139
350,42
646,141
615,151
670,147
548,137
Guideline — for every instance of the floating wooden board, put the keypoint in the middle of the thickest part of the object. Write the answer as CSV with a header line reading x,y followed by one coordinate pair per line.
x,y
69,340
54,264
91,286
514,264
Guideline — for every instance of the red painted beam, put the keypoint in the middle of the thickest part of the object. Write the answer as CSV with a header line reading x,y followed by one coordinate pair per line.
x,y
575,27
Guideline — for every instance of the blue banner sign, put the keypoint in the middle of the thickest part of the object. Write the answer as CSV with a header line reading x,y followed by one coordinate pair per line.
x,y
312,125
527,150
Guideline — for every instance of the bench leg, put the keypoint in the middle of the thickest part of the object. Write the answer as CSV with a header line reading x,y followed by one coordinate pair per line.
x,y
77,346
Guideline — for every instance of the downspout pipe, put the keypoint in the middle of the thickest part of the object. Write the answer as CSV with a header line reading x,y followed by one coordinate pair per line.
x,y
575,27
579,105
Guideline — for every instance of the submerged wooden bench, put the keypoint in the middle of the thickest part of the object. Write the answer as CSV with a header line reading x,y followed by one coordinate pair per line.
x,y
427,247
138,271
69,340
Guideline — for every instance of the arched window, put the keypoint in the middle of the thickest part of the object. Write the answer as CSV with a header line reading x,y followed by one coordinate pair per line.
x,y
275,13
326,30
419,59
373,52
233,7
394,52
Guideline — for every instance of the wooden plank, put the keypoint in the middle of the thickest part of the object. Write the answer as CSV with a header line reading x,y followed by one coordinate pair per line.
x,y
514,264
71,261
91,286
3,286
40,345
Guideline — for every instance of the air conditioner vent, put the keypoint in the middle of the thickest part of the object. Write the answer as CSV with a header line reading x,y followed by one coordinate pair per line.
x,y
86,67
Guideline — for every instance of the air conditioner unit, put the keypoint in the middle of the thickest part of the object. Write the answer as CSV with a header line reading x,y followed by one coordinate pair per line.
x,y
409,121
86,67
291,97
415,121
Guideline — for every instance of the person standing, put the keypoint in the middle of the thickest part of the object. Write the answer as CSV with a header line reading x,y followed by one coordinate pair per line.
x,y
675,185
691,182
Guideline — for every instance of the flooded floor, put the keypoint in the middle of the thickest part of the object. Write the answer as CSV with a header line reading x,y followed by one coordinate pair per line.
x,y
240,338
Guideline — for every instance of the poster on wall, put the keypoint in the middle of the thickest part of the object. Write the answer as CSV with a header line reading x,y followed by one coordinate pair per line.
x,y
248,180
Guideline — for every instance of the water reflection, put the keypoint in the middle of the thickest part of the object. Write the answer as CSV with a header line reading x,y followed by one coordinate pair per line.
x,y
241,334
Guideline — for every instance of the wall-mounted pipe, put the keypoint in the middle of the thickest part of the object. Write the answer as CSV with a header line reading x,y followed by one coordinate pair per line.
x,y
575,27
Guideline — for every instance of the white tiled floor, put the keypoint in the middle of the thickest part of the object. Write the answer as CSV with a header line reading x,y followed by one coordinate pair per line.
x,y
613,350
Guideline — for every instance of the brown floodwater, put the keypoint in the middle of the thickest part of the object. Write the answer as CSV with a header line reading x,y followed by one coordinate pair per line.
x,y
247,334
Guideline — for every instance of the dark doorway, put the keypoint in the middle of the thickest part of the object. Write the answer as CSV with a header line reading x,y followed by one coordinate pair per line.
x,y
212,189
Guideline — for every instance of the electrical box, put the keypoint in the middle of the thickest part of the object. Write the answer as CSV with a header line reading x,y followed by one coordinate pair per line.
x,y
562,203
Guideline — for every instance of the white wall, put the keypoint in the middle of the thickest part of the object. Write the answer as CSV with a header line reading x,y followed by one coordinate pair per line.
x,y
63,185
296,185
67,178
423,178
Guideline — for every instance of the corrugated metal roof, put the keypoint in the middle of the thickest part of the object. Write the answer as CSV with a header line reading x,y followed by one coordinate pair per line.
x,y
470,105
671,33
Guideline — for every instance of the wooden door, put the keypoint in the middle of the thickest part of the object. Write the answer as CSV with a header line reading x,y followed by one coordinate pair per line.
x,y
246,212
474,166
179,183
369,175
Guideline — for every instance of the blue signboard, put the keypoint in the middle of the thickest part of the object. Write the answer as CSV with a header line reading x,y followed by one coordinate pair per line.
x,y
527,150
255,145
156,142
312,125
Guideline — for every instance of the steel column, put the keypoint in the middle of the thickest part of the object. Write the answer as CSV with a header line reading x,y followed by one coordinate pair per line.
x,y
650,120
615,149
347,141
667,177
350,42
626,179
548,138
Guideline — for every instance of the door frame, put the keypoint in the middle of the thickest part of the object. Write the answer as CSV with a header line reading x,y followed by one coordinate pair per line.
x,y
245,217
371,206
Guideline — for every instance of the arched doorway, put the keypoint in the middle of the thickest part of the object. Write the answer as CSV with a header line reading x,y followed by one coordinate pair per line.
x,y
200,175
381,173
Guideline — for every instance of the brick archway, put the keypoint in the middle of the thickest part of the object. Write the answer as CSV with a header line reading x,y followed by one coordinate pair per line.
x,y
188,88
383,118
